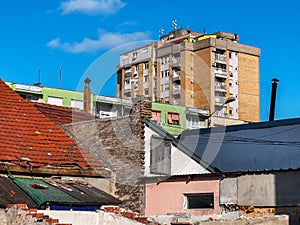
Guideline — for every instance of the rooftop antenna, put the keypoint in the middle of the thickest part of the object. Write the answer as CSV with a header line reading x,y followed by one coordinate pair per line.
x,y
161,32
39,78
204,30
60,77
174,24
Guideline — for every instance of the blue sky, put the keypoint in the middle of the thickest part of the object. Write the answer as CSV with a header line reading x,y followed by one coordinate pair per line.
x,y
84,38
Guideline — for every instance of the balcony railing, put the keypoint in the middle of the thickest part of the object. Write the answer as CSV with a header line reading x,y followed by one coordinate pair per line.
x,y
220,58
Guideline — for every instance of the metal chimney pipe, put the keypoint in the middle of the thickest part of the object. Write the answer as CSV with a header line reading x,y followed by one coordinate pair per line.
x,y
273,99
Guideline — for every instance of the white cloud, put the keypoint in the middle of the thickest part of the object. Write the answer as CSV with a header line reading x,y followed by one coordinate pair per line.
x,y
105,41
91,7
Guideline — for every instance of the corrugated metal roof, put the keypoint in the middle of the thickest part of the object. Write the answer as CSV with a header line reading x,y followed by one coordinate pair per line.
x,y
10,193
41,192
252,147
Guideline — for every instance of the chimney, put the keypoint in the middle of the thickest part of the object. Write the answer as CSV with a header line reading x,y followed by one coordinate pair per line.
x,y
87,96
273,99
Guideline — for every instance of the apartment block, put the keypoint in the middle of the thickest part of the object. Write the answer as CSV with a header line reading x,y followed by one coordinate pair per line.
x,y
191,69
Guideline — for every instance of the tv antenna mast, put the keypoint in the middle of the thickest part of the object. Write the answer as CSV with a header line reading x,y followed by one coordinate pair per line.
x,y
60,77
39,78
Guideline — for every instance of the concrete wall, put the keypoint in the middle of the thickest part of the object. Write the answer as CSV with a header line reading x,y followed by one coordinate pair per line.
x,y
278,189
168,197
228,191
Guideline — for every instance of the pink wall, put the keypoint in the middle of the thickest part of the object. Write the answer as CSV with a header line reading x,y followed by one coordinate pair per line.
x,y
168,197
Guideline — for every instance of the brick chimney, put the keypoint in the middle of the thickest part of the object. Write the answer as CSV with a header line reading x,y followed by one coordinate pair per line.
x,y
87,96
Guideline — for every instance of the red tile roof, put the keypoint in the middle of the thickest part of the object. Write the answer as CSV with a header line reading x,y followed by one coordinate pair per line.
x,y
63,115
29,137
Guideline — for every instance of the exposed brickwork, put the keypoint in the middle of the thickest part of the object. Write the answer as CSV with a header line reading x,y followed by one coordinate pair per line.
x,y
119,144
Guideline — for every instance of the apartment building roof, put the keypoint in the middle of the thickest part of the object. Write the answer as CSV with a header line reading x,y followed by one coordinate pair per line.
x,y
264,146
30,142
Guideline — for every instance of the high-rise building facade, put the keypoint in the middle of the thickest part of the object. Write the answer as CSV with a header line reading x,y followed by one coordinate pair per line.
x,y
195,70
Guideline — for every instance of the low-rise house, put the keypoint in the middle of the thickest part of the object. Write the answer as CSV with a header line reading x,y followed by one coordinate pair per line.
x,y
256,171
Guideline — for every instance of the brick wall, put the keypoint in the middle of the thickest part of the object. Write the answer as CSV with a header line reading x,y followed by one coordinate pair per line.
x,y
119,144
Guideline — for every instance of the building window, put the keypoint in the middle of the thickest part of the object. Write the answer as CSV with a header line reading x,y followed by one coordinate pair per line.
x,y
173,118
199,201
160,156
192,121
146,92
146,65
165,73
134,55
155,116
230,55
146,78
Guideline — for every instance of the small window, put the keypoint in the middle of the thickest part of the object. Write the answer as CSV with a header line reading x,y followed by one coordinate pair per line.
x,y
173,118
229,55
146,65
199,201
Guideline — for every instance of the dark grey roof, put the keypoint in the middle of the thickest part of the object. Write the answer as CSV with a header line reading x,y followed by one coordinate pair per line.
x,y
85,192
249,147
10,193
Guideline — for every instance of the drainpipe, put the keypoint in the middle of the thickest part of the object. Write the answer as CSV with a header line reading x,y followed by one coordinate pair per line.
x,y
273,99
87,96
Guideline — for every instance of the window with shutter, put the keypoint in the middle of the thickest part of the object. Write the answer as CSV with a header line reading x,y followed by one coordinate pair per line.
x,y
160,156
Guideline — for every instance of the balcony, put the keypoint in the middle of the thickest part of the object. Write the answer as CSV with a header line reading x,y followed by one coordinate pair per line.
x,y
165,94
164,80
176,75
220,58
176,90
127,75
219,86
219,100
127,86
176,101
220,72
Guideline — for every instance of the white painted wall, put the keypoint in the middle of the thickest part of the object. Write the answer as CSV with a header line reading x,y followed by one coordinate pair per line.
x,y
88,218
180,162
55,101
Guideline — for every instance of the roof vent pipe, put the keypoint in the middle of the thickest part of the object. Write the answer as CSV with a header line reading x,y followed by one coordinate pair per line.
x,y
273,99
